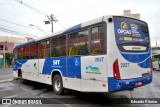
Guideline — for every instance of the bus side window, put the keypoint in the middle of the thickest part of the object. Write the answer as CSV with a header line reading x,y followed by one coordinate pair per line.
x,y
55,51
20,53
41,49
97,40
62,42
72,44
44,49
58,46
83,42
26,52
34,51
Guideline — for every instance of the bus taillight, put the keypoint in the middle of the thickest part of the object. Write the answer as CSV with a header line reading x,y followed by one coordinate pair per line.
x,y
116,70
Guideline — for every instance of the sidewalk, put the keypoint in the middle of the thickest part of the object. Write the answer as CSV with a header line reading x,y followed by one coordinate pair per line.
x,y
6,74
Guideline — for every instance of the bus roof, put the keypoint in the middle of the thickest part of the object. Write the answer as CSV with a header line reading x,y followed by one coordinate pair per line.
x,y
26,43
65,31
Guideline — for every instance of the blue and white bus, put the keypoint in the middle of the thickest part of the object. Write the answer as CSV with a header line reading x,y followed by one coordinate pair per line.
x,y
107,54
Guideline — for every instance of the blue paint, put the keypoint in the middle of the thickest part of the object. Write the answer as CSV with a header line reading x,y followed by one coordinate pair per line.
x,y
74,67
135,57
76,27
146,63
49,66
117,85
19,64
73,70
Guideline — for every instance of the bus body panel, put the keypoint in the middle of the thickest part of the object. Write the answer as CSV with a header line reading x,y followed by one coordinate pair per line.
x,y
30,70
94,85
74,67
130,70
127,84
93,73
72,83
133,48
92,68
111,47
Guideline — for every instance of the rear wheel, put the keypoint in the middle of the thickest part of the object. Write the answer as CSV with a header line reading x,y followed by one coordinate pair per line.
x,y
57,85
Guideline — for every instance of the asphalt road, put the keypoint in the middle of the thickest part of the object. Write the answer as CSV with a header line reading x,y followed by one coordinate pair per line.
x,y
12,88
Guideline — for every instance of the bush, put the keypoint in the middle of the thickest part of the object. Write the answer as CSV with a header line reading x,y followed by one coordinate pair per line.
x,y
7,55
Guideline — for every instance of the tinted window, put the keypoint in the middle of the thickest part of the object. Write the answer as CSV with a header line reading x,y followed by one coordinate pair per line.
x,y
26,52
83,42
44,49
73,44
131,35
34,51
97,40
58,47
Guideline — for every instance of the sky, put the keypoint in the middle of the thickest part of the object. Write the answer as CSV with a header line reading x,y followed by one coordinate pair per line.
x,y
72,12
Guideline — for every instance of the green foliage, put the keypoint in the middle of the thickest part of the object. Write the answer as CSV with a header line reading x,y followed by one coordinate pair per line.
x,y
7,55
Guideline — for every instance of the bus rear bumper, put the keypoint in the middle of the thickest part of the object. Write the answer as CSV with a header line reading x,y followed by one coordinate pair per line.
x,y
118,85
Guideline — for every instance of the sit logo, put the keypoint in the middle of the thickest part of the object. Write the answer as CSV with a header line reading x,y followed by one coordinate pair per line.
x,y
56,62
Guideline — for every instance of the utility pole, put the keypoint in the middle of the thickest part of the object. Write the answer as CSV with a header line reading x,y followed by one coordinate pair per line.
x,y
51,19
4,50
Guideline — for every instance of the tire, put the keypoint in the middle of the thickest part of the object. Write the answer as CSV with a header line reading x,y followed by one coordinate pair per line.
x,y
20,75
58,85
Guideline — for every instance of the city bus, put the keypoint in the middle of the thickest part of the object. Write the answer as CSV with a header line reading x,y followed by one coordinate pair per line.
x,y
107,54
156,57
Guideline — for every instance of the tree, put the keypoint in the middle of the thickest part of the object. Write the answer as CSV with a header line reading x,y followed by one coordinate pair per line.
x,y
8,58
7,55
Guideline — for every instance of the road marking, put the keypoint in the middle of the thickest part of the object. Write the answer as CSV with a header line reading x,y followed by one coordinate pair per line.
x,y
48,98
15,95
56,101
29,91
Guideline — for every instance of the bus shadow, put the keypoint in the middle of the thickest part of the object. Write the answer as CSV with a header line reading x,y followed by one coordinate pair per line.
x,y
76,97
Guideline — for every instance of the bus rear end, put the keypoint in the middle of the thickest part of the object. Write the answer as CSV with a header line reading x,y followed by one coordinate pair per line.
x,y
132,66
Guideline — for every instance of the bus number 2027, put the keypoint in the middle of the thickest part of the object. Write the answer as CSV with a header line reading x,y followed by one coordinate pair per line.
x,y
99,59
124,65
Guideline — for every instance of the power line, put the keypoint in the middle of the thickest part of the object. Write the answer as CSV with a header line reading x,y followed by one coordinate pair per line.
x,y
15,32
52,18
20,25
31,7
17,24
39,12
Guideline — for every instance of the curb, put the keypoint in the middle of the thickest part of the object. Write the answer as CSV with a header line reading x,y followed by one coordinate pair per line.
x,y
6,80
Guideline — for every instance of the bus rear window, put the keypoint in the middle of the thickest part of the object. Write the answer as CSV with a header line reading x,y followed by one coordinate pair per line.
x,y
131,34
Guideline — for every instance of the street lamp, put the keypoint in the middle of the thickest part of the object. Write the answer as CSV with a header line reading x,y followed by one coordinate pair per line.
x,y
38,28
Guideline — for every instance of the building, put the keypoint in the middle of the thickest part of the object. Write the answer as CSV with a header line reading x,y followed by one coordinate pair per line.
x,y
9,42
129,14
